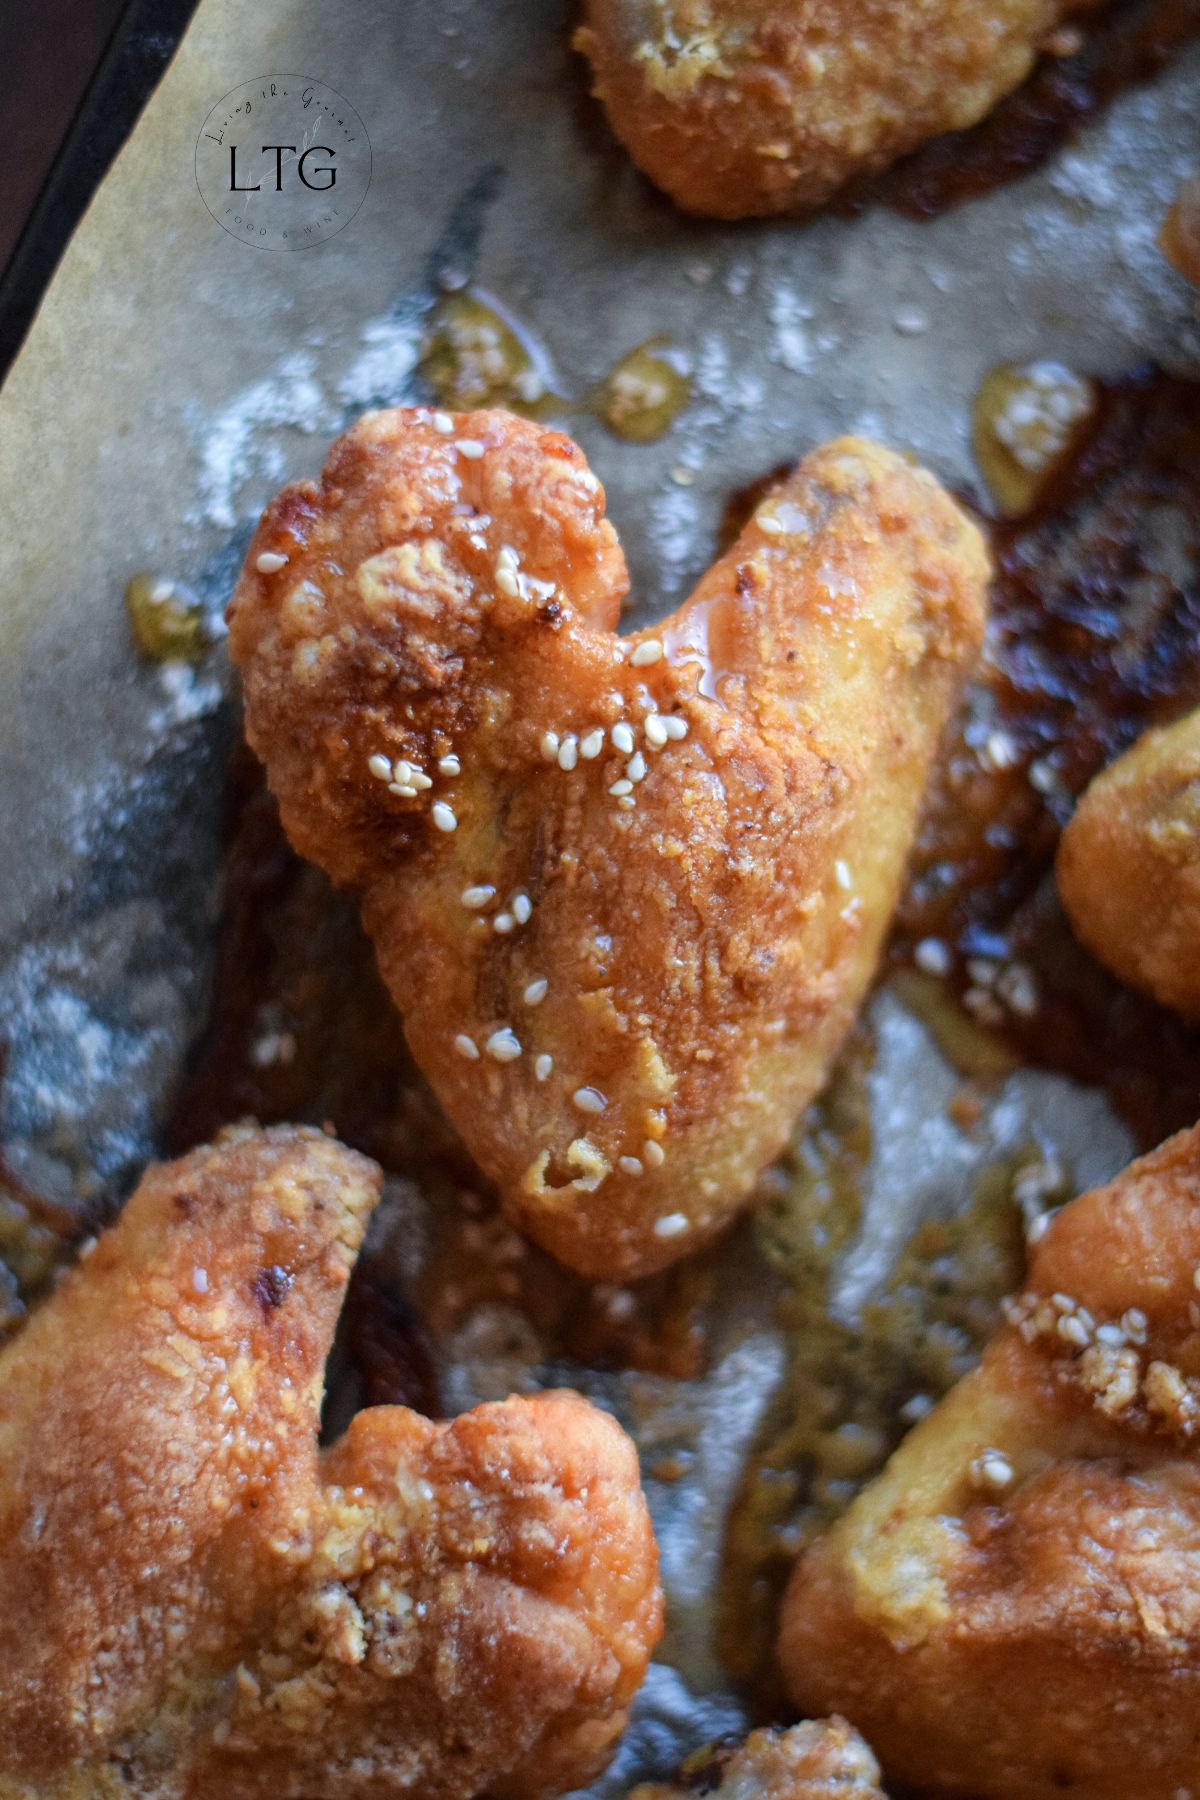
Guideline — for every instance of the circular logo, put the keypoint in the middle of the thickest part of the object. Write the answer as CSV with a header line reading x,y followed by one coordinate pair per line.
x,y
283,162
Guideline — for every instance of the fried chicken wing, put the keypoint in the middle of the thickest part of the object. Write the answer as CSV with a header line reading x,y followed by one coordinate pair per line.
x,y
823,1759
1128,866
196,1602
741,107
1011,1611
626,892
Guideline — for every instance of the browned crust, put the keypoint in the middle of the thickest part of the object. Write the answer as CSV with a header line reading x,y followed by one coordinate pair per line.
x,y
1021,1628
195,1603
1181,231
823,1759
705,948
1128,866
741,107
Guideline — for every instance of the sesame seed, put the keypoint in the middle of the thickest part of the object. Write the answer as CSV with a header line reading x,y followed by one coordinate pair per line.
x,y
420,780
270,562
1072,1330
466,1046
471,448
543,1066
504,1045
591,745
549,746
932,955
503,923
1135,1324
522,908
991,1470
649,652
653,1155
622,738
404,789
449,765
589,1100
380,767
671,1225
536,992
1000,750
506,573
841,872
635,768
677,728
443,422
769,523
621,787
568,752
629,1165
401,770
475,897
444,817
626,802
656,732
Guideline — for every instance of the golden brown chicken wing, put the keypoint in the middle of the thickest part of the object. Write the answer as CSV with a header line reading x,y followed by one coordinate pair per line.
x,y
627,892
738,107
196,1603
1128,866
1011,1611
823,1759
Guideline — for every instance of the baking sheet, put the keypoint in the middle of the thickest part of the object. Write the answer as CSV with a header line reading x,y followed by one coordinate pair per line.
x,y
175,376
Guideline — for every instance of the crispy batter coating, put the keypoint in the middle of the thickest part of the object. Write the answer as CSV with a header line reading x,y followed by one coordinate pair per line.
x,y
627,966
1011,1611
741,107
1128,866
1180,236
823,1759
197,1603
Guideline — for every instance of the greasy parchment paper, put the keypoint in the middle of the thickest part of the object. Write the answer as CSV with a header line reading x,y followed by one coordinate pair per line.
x,y
174,376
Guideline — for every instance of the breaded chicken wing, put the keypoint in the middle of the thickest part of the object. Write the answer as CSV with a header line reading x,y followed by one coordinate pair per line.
x,y
196,1603
627,892
823,1759
1011,1611
740,107
1128,866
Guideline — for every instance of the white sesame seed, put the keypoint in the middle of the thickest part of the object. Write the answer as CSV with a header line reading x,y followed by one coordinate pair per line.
x,y
401,770
677,728
568,752
629,1165
592,744
543,1066
635,768
200,1280
626,802
444,817
449,765
506,573
270,562
380,767
769,523
403,788
1135,1324
991,1470
475,897
522,908
589,1100
443,422
503,923
621,787
656,732
1043,776
653,1155
549,746
1072,1330
841,872
622,738
466,1046
420,780
471,448
671,1225
932,955
536,992
1000,750
649,652
504,1045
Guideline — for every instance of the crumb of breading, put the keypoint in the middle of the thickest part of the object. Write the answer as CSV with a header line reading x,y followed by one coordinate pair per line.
x,y
1128,865
741,107
1019,1637
823,1759
195,1600
629,930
